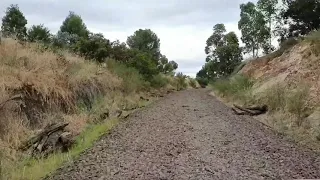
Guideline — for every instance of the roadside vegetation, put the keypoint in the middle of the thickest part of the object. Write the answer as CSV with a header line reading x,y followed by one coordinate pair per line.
x,y
74,76
290,94
291,110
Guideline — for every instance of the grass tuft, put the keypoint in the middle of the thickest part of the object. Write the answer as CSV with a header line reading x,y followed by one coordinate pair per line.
x,y
235,88
275,97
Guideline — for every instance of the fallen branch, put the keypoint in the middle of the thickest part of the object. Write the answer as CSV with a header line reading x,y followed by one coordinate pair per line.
x,y
52,138
47,131
251,111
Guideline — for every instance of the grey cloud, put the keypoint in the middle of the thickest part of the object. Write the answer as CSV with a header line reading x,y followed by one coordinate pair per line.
x,y
190,66
126,13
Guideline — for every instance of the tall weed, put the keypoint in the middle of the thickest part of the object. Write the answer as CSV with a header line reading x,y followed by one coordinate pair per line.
x,y
296,103
275,97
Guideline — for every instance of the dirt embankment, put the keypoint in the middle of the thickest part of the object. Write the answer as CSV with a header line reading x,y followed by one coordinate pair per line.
x,y
298,66
192,135
290,84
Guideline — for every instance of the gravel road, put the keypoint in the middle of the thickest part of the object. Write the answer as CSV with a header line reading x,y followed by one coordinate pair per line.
x,y
192,135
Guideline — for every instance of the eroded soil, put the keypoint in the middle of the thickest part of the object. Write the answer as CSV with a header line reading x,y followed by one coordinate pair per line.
x,y
191,135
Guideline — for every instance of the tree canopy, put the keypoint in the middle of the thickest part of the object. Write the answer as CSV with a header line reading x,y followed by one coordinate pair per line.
x,y
254,30
14,23
72,29
39,33
147,41
223,52
302,16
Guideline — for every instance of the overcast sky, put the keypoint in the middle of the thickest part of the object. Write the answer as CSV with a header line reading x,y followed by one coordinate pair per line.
x,y
183,26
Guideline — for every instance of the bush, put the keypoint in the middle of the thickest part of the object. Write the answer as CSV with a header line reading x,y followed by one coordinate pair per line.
x,y
280,98
237,88
181,81
275,97
193,83
132,80
296,102
39,33
159,81
233,85
203,81
96,47
144,64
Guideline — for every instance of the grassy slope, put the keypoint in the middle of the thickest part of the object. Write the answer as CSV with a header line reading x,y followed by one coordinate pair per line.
x,y
291,100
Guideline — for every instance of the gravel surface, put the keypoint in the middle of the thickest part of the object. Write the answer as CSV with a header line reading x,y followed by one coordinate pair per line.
x,y
192,135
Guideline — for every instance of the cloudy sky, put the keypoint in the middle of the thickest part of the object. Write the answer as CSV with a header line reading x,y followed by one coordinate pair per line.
x,y
182,25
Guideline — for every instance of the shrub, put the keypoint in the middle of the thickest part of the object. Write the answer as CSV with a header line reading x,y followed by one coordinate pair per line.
x,y
223,87
193,83
275,97
203,81
159,81
96,47
296,102
132,80
144,64
39,33
237,88
181,81
233,85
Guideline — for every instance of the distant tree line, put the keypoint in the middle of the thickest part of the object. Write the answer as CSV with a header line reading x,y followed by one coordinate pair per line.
x,y
259,24
141,51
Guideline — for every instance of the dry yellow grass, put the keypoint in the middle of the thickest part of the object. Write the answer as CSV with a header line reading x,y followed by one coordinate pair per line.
x,y
48,83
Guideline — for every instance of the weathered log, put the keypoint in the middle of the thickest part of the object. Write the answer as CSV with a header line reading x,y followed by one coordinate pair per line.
x,y
238,112
251,111
48,130
258,108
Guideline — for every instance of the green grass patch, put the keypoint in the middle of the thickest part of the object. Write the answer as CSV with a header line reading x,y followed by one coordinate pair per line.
x,y
159,81
236,88
33,169
132,80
